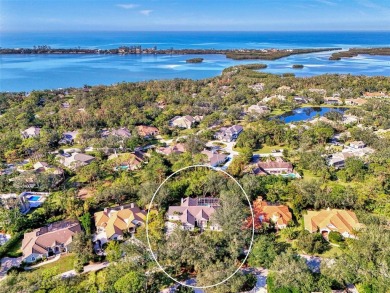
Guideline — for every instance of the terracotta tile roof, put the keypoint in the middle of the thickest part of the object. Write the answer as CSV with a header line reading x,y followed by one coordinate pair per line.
x,y
333,220
117,220
266,212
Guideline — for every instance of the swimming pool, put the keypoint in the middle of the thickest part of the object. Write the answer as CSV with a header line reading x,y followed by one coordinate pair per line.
x,y
34,198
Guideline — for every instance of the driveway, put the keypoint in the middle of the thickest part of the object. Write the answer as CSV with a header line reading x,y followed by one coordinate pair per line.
x,y
229,149
7,263
260,287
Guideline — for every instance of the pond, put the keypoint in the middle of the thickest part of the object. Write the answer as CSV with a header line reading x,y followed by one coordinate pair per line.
x,y
303,114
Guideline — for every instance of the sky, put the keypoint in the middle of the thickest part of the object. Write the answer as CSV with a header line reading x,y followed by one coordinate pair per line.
x,y
194,15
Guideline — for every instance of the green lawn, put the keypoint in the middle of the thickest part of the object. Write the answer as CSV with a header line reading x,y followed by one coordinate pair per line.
x,y
64,264
331,253
308,175
268,149
278,112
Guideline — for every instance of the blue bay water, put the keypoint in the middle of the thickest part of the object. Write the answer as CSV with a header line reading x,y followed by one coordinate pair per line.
x,y
303,114
28,72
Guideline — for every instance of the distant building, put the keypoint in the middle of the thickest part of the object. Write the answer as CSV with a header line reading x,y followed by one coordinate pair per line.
x,y
147,131
258,87
300,99
324,221
375,95
229,134
68,137
337,160
195,212
25,200
75,160
184,121
113,223
257,109
127,161
277,167
41,167
52,239
355,102
122,132
332,101
31,132
357,144
214,159
178,148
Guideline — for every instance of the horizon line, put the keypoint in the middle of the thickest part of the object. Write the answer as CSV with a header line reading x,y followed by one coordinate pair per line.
x,y
203,31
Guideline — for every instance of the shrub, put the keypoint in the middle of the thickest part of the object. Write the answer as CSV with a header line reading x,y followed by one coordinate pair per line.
x,y
335,237
9,244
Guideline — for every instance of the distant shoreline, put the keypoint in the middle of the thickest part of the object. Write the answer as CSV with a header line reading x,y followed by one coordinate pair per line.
x,y
235,54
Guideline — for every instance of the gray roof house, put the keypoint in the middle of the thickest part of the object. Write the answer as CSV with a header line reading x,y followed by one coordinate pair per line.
x,y
357,144
75,160
337,160
182,121
195,212
32,131
214,159
120,132
52,239
229,133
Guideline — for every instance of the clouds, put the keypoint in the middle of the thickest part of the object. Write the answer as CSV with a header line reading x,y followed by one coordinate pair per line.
x,y
146,12
327,2
127,6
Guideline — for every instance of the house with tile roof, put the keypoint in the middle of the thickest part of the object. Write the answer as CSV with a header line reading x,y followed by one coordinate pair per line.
x,y
195,212
49,240
324,221
264,212
113,223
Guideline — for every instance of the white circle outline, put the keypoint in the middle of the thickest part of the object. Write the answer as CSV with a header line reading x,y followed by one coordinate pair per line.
x,y
147,226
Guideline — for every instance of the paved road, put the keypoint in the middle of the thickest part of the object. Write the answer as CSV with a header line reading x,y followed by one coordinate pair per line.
x,y
87,269
7,263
